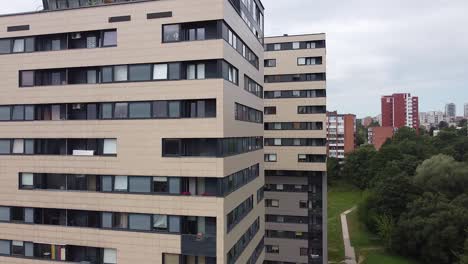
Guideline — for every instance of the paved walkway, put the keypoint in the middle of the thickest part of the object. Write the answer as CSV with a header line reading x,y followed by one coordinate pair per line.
x,y
350,254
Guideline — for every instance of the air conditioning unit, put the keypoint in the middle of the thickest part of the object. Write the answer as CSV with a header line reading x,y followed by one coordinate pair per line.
x,y
76,35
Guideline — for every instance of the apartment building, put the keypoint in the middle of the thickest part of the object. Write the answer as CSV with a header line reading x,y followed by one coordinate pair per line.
x,y
132,132
377,136
399,110
341,134
295,149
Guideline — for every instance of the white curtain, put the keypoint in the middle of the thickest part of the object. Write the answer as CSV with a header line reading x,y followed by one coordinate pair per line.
x,y
191,72
110,146
18,45
201,71
18,146
110,256
27,179
120,73
121,183
160,221
160,72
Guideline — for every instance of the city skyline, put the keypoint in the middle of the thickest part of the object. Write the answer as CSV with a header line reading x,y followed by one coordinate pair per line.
x,y
396,66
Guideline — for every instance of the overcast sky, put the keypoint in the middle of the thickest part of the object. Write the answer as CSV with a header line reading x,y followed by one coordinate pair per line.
x,y
374,47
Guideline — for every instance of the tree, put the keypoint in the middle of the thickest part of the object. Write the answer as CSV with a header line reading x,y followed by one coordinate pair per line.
x,y
357,166
442,174
432,229
443,124
333,170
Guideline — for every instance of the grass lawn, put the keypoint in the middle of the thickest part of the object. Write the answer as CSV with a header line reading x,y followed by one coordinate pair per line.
x,y
368,247
341,197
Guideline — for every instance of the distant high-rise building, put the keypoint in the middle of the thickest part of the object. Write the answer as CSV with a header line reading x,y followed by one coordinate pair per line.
x,y
366,121
466,110
431,118
341,134
399,110
450,111
377,136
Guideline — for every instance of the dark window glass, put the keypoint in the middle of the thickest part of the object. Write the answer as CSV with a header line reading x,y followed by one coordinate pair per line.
x,y
140,72
210,108
29,112
160,109
160,184
29,146
27,78
91,112
140,184
171,33
106,183
5,113
174,109
174,71
5,46
171,147
106,74
17,214
140,110
174,224
139,222
106,220
30,44
5,247
106,111
4,214
5,146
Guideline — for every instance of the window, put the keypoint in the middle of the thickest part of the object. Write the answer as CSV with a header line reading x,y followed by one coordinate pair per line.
x,y
5,113
174,71
121,110
106,184
171,33
272,249
271,203
5,247
303,204
4,214
27,181
140,184
17,214
270,110
174,109
139,222
160,222
309,61
196,71
17,248
18,146
270,63
160,185
106,220
160,72
18,45
171,258
109,38
120,73
107,73
28,112
171,147
277,47
304,251
106,111
5,46
174,224
270,158
277,142
296,45
140,110
120,183
110,256
174,185
110,147
5,146
140,72
27,78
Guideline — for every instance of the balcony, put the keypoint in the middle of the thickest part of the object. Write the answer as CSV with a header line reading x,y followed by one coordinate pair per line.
x,y
198,245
